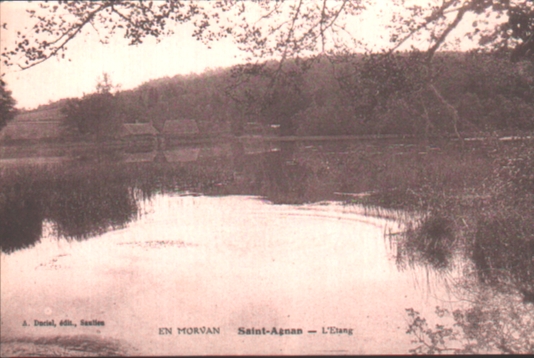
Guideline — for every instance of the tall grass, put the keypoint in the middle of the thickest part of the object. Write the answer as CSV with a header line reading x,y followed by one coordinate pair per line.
x,y
84,199
477,203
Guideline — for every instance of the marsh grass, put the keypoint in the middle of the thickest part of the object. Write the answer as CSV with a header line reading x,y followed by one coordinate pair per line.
x,y
479,206
474,201
83,199
430,240
493,324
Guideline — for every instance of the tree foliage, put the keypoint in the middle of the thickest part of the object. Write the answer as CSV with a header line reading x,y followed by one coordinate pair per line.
x,y
294,32
272,29
284,39
264,29
105,85
494,324
96,114
7,105
368,95
520,27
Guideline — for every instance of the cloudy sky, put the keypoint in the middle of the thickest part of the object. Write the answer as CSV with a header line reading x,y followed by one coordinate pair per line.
x,y
128,66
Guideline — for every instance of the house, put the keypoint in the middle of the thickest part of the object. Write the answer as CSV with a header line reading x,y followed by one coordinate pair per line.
x,y
181,155
138,130
16,130
33,125
40,115
139,135
140,157
179,128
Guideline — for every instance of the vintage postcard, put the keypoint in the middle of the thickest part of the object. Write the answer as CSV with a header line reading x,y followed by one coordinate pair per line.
x,y
293,177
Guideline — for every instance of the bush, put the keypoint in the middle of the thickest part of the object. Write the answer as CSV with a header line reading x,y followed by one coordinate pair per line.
x,y
496,324
7,105
503,253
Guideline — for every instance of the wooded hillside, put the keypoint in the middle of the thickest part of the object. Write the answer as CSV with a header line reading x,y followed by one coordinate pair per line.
x,y
475,93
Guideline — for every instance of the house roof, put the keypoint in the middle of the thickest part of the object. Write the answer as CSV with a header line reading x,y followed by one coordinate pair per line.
x,y
31,130
49,114
131,129
180,127
182,155
140,157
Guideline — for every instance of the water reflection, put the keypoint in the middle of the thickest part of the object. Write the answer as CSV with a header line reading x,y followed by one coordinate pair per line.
x,y
277,176
84,197
79,204
253,265
21,218
89,193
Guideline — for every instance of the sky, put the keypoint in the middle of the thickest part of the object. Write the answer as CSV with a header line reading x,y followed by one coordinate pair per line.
x,y
129,66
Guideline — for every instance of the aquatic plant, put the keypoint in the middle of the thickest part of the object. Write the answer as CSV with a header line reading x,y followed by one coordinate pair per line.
x,y
493,324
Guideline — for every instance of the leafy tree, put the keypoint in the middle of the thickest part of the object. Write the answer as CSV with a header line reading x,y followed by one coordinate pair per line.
x,y
298,30
521,27
7,105
105,85
268,93
92,114
96,114
435,24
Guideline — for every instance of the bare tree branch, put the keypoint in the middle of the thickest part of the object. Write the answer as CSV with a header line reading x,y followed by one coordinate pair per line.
x,y
432,18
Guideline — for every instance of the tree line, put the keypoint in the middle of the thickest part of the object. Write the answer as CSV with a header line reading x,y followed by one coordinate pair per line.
x,y
355,94
287,43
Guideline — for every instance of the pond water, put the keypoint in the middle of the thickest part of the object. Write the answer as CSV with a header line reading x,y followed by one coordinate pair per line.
x,y
159,254
225,262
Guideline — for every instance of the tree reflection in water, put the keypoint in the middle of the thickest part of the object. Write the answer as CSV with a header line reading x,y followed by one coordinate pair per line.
x,y
496,287
82,200
494,291
21,218
281,178
79,204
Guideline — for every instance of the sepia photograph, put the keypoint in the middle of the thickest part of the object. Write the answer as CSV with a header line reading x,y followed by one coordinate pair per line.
x,y
292,177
